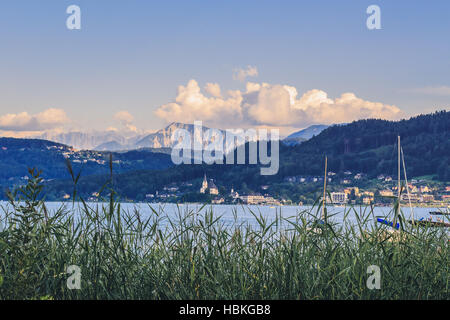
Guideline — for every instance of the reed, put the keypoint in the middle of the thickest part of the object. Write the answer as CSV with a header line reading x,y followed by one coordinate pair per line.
x,y
195,255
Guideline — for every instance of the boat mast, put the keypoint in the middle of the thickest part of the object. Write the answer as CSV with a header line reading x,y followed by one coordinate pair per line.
x,y
399,184
324,190
406,183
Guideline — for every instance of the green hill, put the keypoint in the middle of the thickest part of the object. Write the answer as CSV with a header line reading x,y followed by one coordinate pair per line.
x,y
17,155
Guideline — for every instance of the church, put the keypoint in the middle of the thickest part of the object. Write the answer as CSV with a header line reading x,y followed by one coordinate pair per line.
x,y
209,186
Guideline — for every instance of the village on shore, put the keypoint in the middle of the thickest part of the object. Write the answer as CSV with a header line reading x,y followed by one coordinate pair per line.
x,y
419,192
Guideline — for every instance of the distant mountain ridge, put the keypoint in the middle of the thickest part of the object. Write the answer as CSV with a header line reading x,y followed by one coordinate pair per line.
x,y
304,134
109,146
160,139
114,141
90,140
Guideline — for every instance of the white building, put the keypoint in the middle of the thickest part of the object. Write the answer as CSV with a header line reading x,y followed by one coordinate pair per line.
x,y
339,197
259,199
386,193
252,199
358,176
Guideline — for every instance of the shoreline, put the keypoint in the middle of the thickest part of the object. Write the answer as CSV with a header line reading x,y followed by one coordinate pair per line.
x,y
429,206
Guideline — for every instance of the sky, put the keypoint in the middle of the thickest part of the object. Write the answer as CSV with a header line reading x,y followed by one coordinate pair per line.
x,y
136,65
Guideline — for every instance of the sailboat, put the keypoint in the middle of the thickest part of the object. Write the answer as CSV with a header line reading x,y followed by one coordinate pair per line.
x,y
422,222
394,224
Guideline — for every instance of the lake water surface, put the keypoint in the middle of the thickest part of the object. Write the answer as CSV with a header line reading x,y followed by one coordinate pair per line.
x,y
242,214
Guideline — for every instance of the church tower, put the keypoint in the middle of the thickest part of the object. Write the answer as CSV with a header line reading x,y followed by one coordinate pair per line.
x,y
204,185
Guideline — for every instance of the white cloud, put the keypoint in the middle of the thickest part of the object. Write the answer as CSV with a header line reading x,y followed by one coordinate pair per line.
x,y
190,105
126,119
241,74
48,119
213,89
263,104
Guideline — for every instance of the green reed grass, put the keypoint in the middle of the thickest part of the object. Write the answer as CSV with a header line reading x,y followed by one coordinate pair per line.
x,y
194,255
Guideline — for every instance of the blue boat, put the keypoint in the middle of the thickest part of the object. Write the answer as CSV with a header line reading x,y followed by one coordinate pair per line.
x,y
389,223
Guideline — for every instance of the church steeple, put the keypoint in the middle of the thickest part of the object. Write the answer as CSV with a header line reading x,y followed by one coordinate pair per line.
x,y
204,185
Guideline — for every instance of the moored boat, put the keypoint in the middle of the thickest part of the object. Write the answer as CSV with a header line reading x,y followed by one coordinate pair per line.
x,y
429,223
440,213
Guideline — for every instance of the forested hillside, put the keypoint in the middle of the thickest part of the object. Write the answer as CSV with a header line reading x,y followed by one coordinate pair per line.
x,y
17,155
368,146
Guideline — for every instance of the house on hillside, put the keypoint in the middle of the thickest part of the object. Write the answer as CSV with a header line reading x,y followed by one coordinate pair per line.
x,y
386,193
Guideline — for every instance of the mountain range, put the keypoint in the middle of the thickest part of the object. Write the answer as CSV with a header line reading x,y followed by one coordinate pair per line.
x,y
115,141
97,140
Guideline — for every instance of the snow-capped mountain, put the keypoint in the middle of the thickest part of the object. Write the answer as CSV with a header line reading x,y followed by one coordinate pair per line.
x,y
117,141
162,138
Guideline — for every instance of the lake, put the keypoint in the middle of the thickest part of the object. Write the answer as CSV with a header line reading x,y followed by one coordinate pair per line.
x,y
242,214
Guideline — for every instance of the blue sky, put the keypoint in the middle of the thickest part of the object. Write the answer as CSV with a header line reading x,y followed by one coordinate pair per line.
x,y
132,56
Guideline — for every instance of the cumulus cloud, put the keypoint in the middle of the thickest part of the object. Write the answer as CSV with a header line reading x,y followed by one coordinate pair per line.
x,y
48,119
213,89
191,104
126,119
263,104
241,74
124,116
